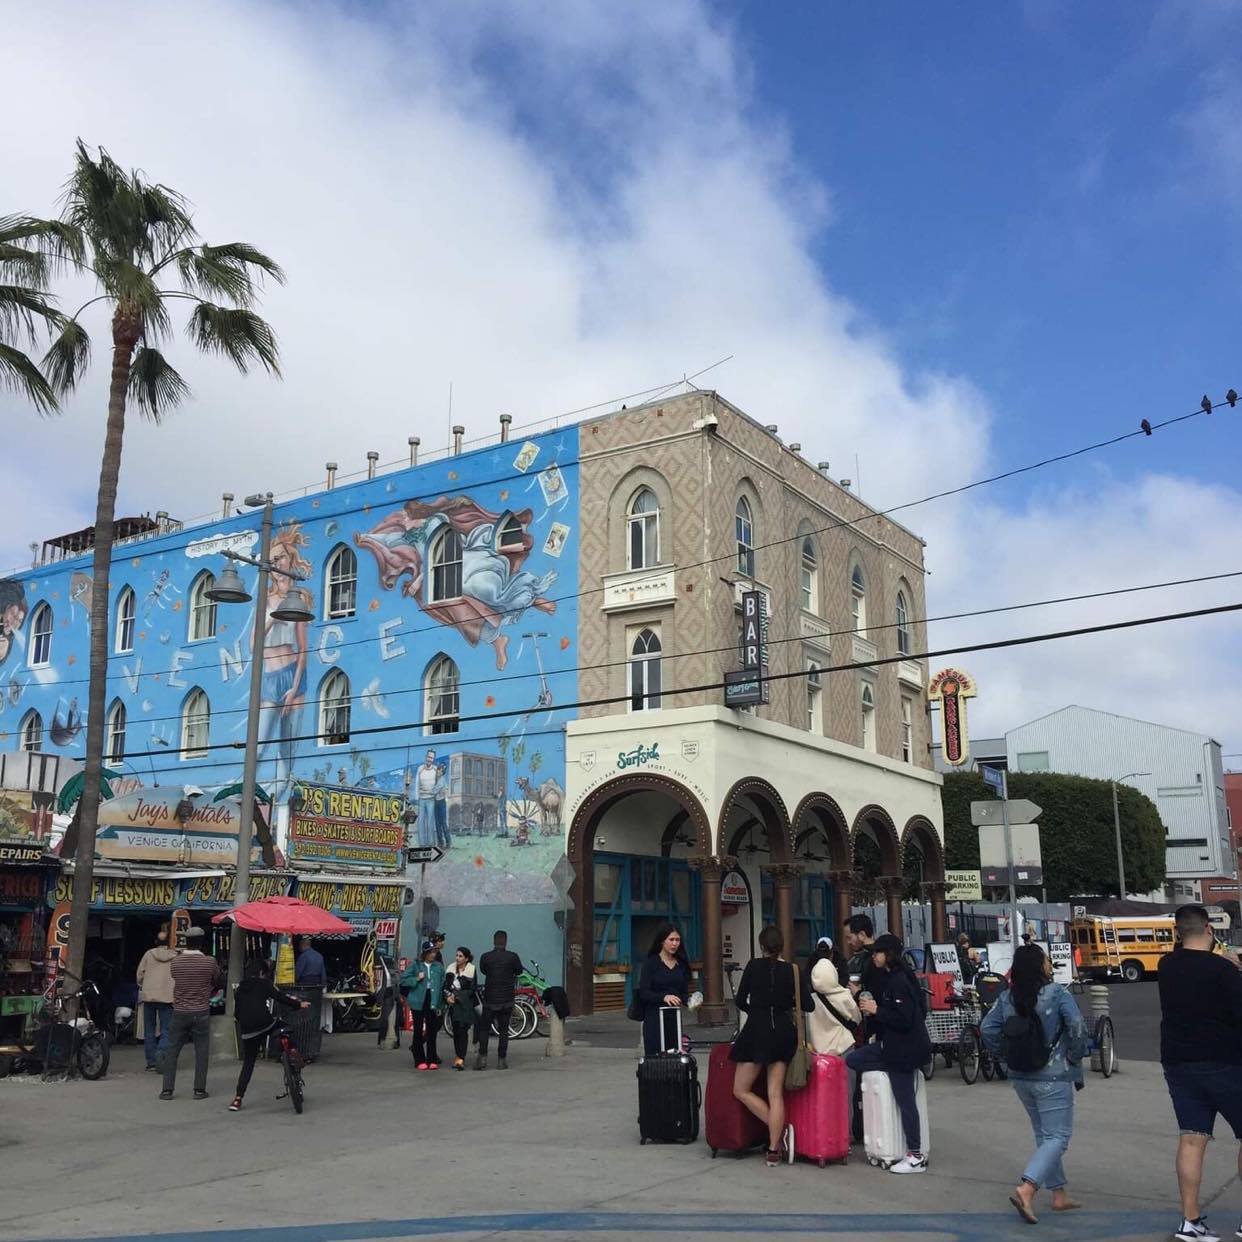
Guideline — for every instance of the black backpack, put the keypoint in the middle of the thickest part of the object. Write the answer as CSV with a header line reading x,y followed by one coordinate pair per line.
x,y
1025,1048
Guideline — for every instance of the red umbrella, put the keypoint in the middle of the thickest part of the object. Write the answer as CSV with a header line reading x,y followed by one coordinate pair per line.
x,y
288,916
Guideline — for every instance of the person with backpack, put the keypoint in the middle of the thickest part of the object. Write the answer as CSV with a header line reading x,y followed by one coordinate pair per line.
x,y
1038,1030
833,1025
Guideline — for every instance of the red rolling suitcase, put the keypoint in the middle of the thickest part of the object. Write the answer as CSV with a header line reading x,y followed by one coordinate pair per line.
x,y
820,1112
729,1125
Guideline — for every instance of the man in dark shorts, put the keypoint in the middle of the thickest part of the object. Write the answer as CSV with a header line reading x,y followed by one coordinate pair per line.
x,y
1201,1051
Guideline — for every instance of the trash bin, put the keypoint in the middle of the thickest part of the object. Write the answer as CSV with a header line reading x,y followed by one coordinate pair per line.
x,y
306,1023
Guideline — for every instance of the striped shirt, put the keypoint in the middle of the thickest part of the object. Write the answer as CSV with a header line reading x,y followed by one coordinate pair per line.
x,y
195,977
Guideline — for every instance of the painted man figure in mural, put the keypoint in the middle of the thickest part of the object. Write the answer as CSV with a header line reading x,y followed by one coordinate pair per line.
x,y
440,793
425,781
284,655
13,609
495,590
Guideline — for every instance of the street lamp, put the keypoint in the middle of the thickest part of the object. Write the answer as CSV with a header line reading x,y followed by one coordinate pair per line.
x,y
229,589
1121,869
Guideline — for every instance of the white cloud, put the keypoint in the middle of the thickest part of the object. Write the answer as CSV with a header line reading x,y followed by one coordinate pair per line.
x,y
544,207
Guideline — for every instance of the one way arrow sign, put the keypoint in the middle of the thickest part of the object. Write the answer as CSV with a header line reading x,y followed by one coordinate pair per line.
x,y
424,854
1020,811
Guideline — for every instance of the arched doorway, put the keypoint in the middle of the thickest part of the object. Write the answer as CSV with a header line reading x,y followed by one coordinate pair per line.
x,y
876,852
636,845
822,848
923,868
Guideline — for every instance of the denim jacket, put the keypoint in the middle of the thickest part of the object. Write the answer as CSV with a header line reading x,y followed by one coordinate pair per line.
x,y
1062,1023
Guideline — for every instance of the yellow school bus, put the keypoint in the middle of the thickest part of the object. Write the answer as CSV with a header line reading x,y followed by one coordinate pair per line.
x,y
1129,947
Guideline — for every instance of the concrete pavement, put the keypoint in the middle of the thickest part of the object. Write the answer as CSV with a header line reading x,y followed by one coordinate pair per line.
x,y
547,1148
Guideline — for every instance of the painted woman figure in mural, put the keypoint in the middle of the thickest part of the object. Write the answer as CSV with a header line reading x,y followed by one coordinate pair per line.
x,y
13,609
284,655
495,590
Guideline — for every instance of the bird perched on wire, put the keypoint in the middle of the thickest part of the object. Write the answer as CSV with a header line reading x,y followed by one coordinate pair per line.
x,y
1146,426
1206,404
1232,398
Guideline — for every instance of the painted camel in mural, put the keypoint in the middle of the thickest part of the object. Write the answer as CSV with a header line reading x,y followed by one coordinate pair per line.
x,y
549,796
495,590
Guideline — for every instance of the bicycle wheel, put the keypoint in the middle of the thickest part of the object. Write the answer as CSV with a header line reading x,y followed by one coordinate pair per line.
x,y
1105,1042
293,1082
94,1053
517,1020
968,1056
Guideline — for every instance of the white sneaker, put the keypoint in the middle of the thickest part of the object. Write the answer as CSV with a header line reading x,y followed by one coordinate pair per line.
x,y
1196,1231
789,1144
911,1162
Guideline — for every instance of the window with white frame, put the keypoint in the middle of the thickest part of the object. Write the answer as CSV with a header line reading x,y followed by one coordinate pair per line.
x,y
744,527
867,703
115,745
645,672
907,729
904,642
858,599
442,697
446,565
512,535
41,636
202,609
31,733
814,697
340,591
195,725
809,577
643,530
334,709
125,608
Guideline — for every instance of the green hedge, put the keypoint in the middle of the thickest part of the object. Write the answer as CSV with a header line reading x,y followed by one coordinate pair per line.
x,y
1075,831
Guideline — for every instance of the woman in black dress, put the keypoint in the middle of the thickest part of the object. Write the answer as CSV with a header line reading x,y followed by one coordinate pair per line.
x,y
766,995
665,980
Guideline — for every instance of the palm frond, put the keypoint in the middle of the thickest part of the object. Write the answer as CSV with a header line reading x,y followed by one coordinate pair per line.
x,y
68,357
239,334
19,374
154,385
36,248
130,286
227,271
21,307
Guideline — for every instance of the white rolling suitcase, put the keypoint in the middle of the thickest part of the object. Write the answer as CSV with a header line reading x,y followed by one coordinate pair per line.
x,y
884,1138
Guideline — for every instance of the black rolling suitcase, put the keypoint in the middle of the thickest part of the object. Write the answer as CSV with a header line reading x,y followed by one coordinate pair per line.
x,y
669,1094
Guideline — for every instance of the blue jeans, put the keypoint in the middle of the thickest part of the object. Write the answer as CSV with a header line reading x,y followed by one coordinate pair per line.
x,y
1050,1106
871,1057
427,821
153,1012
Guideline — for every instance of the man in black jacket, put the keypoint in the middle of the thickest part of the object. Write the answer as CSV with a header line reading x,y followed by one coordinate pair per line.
x,y
500,971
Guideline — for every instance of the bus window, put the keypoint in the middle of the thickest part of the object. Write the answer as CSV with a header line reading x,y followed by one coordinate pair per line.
x,y
1164,935
1126,935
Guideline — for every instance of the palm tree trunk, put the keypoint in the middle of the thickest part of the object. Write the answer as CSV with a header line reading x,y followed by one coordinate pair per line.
x,y
126,326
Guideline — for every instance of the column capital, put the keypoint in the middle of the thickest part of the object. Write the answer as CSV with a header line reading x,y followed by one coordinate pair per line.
x,y
934,888
782,873
842,878
712,868
892,885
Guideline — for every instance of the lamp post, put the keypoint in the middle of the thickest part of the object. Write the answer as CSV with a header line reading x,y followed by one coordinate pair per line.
x,y
1121,869
229,589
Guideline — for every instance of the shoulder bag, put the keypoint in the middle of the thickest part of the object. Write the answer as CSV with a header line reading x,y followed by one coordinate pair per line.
x,y
799,1068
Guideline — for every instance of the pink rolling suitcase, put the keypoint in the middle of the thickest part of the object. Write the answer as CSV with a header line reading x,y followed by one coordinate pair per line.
x,y
820,1112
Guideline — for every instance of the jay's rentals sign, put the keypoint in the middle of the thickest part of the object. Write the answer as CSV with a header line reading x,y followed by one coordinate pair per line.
x,y
346,827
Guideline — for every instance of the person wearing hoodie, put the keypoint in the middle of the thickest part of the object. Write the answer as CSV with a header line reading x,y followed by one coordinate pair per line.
x,y
252,1007
422,985
155,994
461,999
832,1025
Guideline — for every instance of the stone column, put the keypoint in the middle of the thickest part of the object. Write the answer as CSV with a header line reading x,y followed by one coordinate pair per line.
x,y
893,886
843,890
580,937
934,891
783,877
713,1011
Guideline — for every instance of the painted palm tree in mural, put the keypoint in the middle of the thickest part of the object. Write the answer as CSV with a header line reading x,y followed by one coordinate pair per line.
x,y
136,240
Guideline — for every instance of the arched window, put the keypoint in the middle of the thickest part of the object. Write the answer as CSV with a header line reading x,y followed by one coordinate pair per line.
x,y
202,609
645,671
512,535
643,530
858,599
446,565
31,732
195,725
334,709
114,747
125,621
904,643
868,716
442,697
809,577
41,636
744,526
340,585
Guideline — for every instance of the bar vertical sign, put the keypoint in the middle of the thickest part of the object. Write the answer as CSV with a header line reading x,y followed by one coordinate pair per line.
x,y
755,638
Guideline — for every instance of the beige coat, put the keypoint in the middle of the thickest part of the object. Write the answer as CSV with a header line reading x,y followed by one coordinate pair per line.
x,y
824,1031
155,981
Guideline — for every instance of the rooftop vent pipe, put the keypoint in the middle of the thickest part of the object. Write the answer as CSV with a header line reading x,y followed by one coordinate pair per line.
x,y
505,420
372,458
228,503
770,428
331,475
414,442
823,467
847,484
795,448
458,432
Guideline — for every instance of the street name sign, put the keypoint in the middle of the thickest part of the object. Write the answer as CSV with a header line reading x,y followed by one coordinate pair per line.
x,y
988,811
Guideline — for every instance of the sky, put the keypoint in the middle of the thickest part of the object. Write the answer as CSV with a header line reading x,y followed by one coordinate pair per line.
x,y
936,242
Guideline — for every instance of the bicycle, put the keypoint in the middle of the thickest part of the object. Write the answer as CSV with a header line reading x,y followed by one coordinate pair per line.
x,y
58,1046
291,1064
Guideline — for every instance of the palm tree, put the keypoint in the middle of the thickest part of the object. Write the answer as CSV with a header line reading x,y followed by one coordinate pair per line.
x,y
24,307
135,238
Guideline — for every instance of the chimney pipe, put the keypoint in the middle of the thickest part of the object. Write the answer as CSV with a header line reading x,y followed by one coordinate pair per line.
x,y
847,484
372,458
823,467
161,520
331,475
228,504
505,420
770,428
414,443
795,448
458,432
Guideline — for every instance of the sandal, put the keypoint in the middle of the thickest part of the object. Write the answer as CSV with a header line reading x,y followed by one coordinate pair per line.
x,y
1069,1205
1024,1210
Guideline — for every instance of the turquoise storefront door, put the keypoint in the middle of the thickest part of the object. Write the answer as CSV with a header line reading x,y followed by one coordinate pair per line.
x,y
814,907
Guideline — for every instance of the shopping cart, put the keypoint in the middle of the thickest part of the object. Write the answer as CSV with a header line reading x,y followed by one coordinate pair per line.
x,y
946,1029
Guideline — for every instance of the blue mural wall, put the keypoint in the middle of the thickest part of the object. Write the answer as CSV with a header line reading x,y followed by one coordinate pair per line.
x,y
502,607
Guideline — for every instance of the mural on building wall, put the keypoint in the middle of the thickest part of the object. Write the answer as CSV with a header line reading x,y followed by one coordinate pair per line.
x,y
473,558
